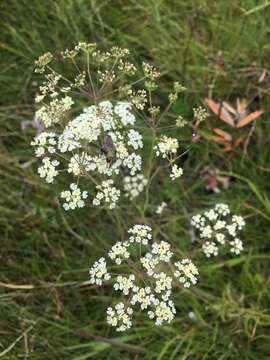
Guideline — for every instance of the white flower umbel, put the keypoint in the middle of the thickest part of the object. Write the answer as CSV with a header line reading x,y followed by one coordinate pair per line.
x,y
149,262
162,250
124,111
163,312
220,238
222,209
239,221
210,249
140,234
98,272
120,317
176,172
74,198
55,111
107,193
187,273
163,282
149,283
48,170
217,227
236,246
133,162
135,139
119,252
124,283
167,146
134,185
200,113
103,140
80,164
143,296
44,142
198,221
93,116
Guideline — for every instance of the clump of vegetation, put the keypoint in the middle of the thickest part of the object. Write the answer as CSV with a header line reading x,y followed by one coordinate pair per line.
x,y
217,51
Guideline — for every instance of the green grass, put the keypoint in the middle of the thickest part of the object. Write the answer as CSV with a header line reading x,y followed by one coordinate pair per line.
x,y
59,318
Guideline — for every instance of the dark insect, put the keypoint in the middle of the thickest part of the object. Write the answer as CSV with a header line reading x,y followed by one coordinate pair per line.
x,y
108,148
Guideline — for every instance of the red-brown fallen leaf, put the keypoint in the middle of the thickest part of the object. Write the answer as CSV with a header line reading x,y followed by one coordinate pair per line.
x,y
214,138
236,143
228,107
241,106
220,111
225,135
227,148
212,184
249,118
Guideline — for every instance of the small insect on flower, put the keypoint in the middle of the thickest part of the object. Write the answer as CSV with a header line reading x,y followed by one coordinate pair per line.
x,y
102,136
97,136
216,228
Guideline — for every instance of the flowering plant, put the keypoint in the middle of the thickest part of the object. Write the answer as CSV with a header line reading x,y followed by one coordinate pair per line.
x,y
149,285
93,124
216,228
93,131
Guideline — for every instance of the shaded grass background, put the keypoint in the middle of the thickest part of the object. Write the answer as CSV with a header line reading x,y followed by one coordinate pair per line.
x,y
212,47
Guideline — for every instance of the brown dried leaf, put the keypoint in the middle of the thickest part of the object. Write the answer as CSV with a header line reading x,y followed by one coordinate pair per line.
x,y
220,111
229,107
225,135
249,118
227,148
212,184
241,106
214,138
